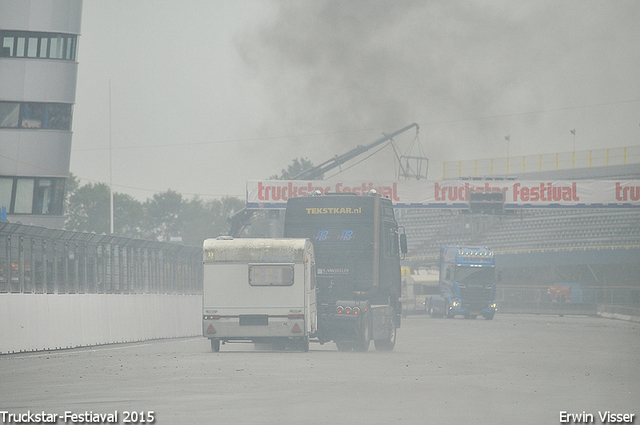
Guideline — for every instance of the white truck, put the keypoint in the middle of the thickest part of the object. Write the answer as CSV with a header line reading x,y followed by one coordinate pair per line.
x,y
259,290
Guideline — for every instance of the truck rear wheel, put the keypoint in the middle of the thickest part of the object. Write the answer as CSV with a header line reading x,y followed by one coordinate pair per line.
x,y
389,343
364,335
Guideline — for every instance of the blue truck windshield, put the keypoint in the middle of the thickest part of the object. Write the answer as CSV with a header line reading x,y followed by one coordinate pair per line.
x,y
475,275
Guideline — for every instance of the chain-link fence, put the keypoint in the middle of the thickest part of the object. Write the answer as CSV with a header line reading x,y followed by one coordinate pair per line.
x,y
46,261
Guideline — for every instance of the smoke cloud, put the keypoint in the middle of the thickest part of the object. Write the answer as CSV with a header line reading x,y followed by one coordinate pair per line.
x,y
468,72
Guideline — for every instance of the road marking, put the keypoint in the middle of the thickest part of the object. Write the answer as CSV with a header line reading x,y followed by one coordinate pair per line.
x,y
105,347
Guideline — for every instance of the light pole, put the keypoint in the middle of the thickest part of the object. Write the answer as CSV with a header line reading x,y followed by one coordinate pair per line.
x,y
111,227
573,160
508,139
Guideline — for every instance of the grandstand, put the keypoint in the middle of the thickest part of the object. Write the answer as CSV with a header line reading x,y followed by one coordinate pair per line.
x,y
523,231
536,248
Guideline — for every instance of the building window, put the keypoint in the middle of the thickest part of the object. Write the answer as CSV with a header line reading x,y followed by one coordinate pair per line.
x,y
35,115
38,45
6,189
32,195
32,52
7,47
23,198
20,42
9,114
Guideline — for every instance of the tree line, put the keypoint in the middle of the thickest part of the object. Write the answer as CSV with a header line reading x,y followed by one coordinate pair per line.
x,y
164,216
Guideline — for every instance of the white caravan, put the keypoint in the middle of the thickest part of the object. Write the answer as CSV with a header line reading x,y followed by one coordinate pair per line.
x,y
417,289
259,290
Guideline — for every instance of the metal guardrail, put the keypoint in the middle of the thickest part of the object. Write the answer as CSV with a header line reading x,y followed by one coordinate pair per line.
x,y
622,312
560,309
432,256
584,300
47,261
543,162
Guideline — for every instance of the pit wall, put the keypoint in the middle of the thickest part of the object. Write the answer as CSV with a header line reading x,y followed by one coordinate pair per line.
x,y
32,322
631,314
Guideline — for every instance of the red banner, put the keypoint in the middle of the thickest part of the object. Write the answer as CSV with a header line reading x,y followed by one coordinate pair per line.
x,y
455,193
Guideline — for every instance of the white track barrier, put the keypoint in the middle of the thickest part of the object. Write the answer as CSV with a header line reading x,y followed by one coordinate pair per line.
x,y
32,322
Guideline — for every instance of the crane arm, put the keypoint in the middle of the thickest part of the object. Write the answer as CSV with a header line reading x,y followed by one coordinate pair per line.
x,y
319,170
242,217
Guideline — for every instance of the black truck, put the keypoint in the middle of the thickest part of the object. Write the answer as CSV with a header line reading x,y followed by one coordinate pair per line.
x,y
357,244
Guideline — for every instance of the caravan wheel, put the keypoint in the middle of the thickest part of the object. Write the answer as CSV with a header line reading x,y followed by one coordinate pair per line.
x,y
304,344
215,345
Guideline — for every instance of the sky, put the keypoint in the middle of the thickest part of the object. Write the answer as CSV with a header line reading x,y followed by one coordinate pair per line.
x,y
200,96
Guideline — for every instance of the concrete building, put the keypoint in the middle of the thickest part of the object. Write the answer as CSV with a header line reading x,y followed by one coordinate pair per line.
x,y
38,73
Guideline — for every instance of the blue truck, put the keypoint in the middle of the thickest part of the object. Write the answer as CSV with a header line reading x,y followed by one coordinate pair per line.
x,y
467,283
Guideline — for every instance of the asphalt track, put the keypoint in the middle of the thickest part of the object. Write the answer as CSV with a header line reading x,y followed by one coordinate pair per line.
x,y
515,369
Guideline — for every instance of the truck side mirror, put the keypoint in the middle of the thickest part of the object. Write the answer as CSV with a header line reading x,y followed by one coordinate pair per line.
x,y
403,243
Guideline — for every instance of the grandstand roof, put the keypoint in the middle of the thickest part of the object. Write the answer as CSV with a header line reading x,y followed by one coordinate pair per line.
x,y
625,171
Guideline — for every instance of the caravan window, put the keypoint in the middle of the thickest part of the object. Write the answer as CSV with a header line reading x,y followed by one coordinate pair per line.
x,y
270,275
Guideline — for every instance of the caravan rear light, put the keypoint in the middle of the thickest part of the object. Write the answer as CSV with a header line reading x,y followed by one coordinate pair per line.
x,y
295,316
216,317
339,309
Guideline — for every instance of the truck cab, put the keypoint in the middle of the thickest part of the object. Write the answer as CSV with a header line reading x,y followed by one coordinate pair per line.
x,y
467,283
357,244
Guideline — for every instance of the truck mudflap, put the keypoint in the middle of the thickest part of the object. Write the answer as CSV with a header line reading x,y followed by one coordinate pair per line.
x,y
385,321
381,315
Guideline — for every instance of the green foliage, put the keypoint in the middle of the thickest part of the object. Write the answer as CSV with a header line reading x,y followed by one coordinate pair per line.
x,y
269,223
161,217
162,214
201,220
166,215
296,167
128,215
87,208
